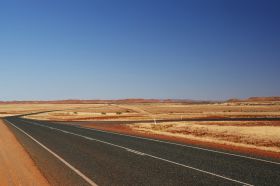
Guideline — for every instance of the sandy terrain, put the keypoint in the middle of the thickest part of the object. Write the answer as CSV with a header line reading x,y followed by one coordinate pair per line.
x,y
16,166
18,109
145,111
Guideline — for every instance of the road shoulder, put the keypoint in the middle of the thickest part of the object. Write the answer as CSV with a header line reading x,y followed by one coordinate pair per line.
x,y
17,168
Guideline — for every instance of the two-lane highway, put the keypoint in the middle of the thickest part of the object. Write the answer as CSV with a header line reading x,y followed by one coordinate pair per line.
x,y
106,158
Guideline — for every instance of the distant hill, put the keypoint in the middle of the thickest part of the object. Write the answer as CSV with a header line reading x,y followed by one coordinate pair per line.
x,y
256,99
77,101
140,100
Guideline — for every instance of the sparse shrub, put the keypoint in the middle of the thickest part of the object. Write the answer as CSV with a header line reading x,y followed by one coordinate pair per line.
x,y
103,113
118,113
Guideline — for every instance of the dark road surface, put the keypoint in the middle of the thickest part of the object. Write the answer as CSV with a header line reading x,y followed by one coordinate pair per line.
x,y
89,156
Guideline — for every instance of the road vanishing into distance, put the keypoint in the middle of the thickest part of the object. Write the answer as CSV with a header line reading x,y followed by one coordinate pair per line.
x,y
73,155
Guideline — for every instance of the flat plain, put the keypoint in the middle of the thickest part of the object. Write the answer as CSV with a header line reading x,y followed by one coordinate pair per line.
x,y
253,124
159,142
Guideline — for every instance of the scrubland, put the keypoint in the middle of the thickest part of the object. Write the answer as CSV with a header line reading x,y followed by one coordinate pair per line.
x,y
261,135
145,118
142,111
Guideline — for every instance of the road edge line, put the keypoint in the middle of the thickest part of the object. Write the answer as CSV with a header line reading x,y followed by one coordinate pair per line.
x,y
149,155
182,145
88,180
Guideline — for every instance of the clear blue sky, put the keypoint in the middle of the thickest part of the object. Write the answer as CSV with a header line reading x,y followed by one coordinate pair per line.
x,y
88,49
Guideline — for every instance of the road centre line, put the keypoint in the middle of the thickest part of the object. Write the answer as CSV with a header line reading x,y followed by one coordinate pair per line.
x,y
132,150
178,144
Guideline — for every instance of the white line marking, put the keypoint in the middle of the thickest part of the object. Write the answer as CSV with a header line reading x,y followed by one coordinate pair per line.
x,y
138,152
172,143
88,180
178,144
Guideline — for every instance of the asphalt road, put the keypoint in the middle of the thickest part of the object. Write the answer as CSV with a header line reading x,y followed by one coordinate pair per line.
x,y
97,157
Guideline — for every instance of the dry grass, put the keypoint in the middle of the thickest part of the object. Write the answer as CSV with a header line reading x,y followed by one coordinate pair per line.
x,y
17,109
144,111
261,135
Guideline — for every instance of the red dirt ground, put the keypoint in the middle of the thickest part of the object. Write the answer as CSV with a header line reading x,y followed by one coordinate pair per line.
x,y
16,166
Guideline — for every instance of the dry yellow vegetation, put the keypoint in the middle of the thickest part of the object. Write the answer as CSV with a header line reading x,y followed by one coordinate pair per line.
x,y
260,135
142,111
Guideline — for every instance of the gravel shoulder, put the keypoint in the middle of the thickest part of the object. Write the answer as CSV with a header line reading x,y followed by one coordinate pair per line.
x,y
17,168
